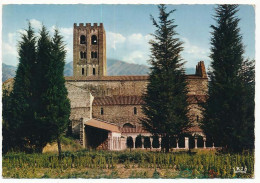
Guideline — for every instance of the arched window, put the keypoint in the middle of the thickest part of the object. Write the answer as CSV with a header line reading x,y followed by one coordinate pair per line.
x,y
82,71
128,125
94,39
197,118
135,110
94,71
82,39
101,111
82,54
93,54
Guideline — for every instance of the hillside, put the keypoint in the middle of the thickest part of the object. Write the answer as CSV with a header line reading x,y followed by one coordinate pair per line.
x,y
114,68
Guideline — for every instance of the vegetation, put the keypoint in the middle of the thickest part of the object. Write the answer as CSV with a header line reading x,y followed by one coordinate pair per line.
x,y
167,115
229,110
103,164
37,110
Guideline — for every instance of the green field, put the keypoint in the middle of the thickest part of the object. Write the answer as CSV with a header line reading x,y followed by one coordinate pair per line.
x,y
136,164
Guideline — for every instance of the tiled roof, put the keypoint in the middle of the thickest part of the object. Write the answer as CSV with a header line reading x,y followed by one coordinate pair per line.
x,y
102,125
133,130
118,100
120,78
195,129
137,100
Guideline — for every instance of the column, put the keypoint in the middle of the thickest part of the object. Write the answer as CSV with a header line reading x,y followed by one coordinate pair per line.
x,y
133,142
196,140
177,144
142,142
204,142
213,145
186,142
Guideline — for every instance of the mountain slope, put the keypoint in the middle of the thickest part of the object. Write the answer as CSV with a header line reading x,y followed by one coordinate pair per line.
x,y
114,68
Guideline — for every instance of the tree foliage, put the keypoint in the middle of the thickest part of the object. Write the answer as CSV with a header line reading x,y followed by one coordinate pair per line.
x,y
166,106
37,109
229,110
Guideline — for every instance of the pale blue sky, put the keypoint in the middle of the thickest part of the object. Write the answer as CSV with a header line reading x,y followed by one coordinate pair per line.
x,y
127,28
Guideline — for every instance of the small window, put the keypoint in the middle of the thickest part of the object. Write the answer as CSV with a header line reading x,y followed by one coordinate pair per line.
x,y
82,39
135,110
82,54
197,118
93,54
94,39
94,71
82,71
101,111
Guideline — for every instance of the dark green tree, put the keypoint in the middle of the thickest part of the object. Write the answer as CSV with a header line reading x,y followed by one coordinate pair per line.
x,y
17,111
166,106
55,98
229,110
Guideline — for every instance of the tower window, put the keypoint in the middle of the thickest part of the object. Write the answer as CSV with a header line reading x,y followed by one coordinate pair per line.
x,y
82,39
94,39
135,110
94,71
82,71
82,54
93,54
101,111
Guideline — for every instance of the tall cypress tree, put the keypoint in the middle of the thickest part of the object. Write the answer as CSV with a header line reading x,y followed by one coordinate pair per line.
x,y
227,112
42,126
166,106
17,111
55,97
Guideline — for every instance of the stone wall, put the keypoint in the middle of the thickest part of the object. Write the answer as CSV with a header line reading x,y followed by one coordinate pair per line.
x,y
119,114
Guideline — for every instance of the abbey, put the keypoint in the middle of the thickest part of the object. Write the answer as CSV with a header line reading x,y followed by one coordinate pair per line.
x,y
105,110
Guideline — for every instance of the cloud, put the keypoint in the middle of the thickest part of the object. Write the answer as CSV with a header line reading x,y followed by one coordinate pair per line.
x,y
193,53
36,24
114,38
137,57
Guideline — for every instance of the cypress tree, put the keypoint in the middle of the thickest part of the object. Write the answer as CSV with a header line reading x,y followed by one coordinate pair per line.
x,y
166,106
229,109
55,97
17,111
42,127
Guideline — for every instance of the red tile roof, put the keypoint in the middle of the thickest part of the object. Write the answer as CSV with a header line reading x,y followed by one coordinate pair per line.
x,y
102,125
137,100
118,100
120,78
133,130
195,129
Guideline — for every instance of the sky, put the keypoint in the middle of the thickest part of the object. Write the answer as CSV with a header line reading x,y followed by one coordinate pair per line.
x,y
128,28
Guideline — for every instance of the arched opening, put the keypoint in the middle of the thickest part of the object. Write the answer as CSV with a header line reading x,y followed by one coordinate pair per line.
x,y
82,54
147,142
82,71
135,110
94,71
128,125
101,111
129,142
94,39
82,39
93,54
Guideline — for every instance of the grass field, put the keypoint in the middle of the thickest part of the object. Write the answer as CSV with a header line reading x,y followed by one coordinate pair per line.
x,y
135,164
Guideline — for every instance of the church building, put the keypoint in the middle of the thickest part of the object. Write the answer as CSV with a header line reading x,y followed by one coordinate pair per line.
x,y
105,110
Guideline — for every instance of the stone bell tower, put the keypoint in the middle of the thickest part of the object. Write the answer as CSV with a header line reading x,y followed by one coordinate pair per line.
x,y
89,50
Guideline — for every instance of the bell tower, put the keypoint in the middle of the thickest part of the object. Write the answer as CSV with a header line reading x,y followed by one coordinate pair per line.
x,y
89,50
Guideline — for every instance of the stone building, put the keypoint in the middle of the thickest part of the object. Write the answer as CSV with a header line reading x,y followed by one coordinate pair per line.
x,y
105,110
